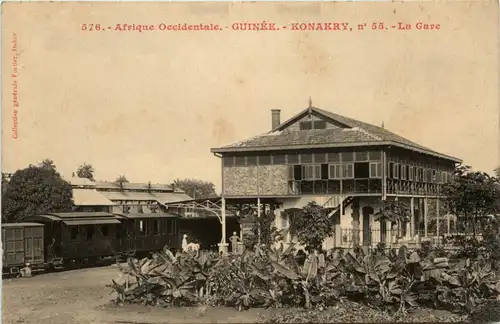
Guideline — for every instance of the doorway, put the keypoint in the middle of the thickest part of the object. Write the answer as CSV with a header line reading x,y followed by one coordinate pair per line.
x,y
367,237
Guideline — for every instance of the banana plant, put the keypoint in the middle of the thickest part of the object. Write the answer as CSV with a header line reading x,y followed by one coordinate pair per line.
x,y
304,277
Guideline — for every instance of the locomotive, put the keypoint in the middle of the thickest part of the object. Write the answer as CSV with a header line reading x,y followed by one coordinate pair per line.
x,y
60,240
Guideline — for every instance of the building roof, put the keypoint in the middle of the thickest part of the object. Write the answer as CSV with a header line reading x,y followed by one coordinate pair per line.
x,y
78,218
128,195
81,215
151,215
352,133
21,224
134,186
79,182
90,197
169,198
162,197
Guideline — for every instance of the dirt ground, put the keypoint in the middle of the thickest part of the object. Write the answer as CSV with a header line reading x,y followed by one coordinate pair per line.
x,y
80,296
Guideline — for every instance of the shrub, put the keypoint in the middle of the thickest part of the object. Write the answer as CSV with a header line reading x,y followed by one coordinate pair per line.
x,y
391,281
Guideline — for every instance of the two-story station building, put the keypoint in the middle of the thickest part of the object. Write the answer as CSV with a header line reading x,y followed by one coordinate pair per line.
x,y
348,166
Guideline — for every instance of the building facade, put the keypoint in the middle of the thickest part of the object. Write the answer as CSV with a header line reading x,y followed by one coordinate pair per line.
x,y
349,167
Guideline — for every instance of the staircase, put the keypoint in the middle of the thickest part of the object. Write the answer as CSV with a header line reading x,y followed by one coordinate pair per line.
x,y
336,209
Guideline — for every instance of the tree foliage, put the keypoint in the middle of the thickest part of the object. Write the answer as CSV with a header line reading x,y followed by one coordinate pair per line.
x,y
86,171
196,188
121,180
472,195
393,211
263,230
48,164
311,226
35,190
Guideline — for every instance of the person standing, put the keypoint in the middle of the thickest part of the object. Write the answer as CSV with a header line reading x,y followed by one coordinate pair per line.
x,y
234,242
184,243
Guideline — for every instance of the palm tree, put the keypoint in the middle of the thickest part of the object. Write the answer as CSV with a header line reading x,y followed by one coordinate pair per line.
x,y
121,180
86,171
47,164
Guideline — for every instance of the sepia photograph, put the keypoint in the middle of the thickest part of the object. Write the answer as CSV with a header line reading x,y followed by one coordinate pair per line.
x,y
250,162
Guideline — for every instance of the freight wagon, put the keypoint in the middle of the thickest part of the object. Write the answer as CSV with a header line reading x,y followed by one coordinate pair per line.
x,y
22,245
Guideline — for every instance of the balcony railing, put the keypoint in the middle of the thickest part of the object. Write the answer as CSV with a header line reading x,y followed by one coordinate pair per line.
x,y
391,238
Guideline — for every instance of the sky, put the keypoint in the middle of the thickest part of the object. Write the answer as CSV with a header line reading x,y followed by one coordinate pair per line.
x,y
151,105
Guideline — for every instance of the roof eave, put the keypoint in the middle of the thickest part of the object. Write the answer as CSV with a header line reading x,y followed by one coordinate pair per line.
x,y
333,145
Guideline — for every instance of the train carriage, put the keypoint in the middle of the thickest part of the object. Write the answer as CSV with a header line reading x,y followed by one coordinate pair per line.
x,y
145,233
80,237
22,245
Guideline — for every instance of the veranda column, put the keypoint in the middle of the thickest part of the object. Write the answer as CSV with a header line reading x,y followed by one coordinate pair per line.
x,y
258,220
426,216
223,246
437,217
412,216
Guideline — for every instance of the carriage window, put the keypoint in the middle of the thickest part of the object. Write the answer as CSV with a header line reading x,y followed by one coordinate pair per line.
x,y
170,226
156,227
90,232
74,232
105,230
142,228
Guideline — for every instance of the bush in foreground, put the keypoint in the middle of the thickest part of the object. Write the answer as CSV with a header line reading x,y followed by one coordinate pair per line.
x,y
391,282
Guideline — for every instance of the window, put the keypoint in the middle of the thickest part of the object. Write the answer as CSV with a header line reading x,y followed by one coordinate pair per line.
x,y
156,227
439,177
334,171
375,155
403,171
239,161
293,158
306,158
324,171
361,156
170,226
306,125
395,171
264,159
228,160
311,172
428,175
105,230
279,159
361,170
319,158
434,176
74,232
297,172
375,170
347,156
333,157
142,227
291,175
251,160
411,173
390,168
90,232
319,124
348,171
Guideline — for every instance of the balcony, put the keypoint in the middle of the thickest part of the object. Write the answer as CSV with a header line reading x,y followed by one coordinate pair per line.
x,y
335,187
